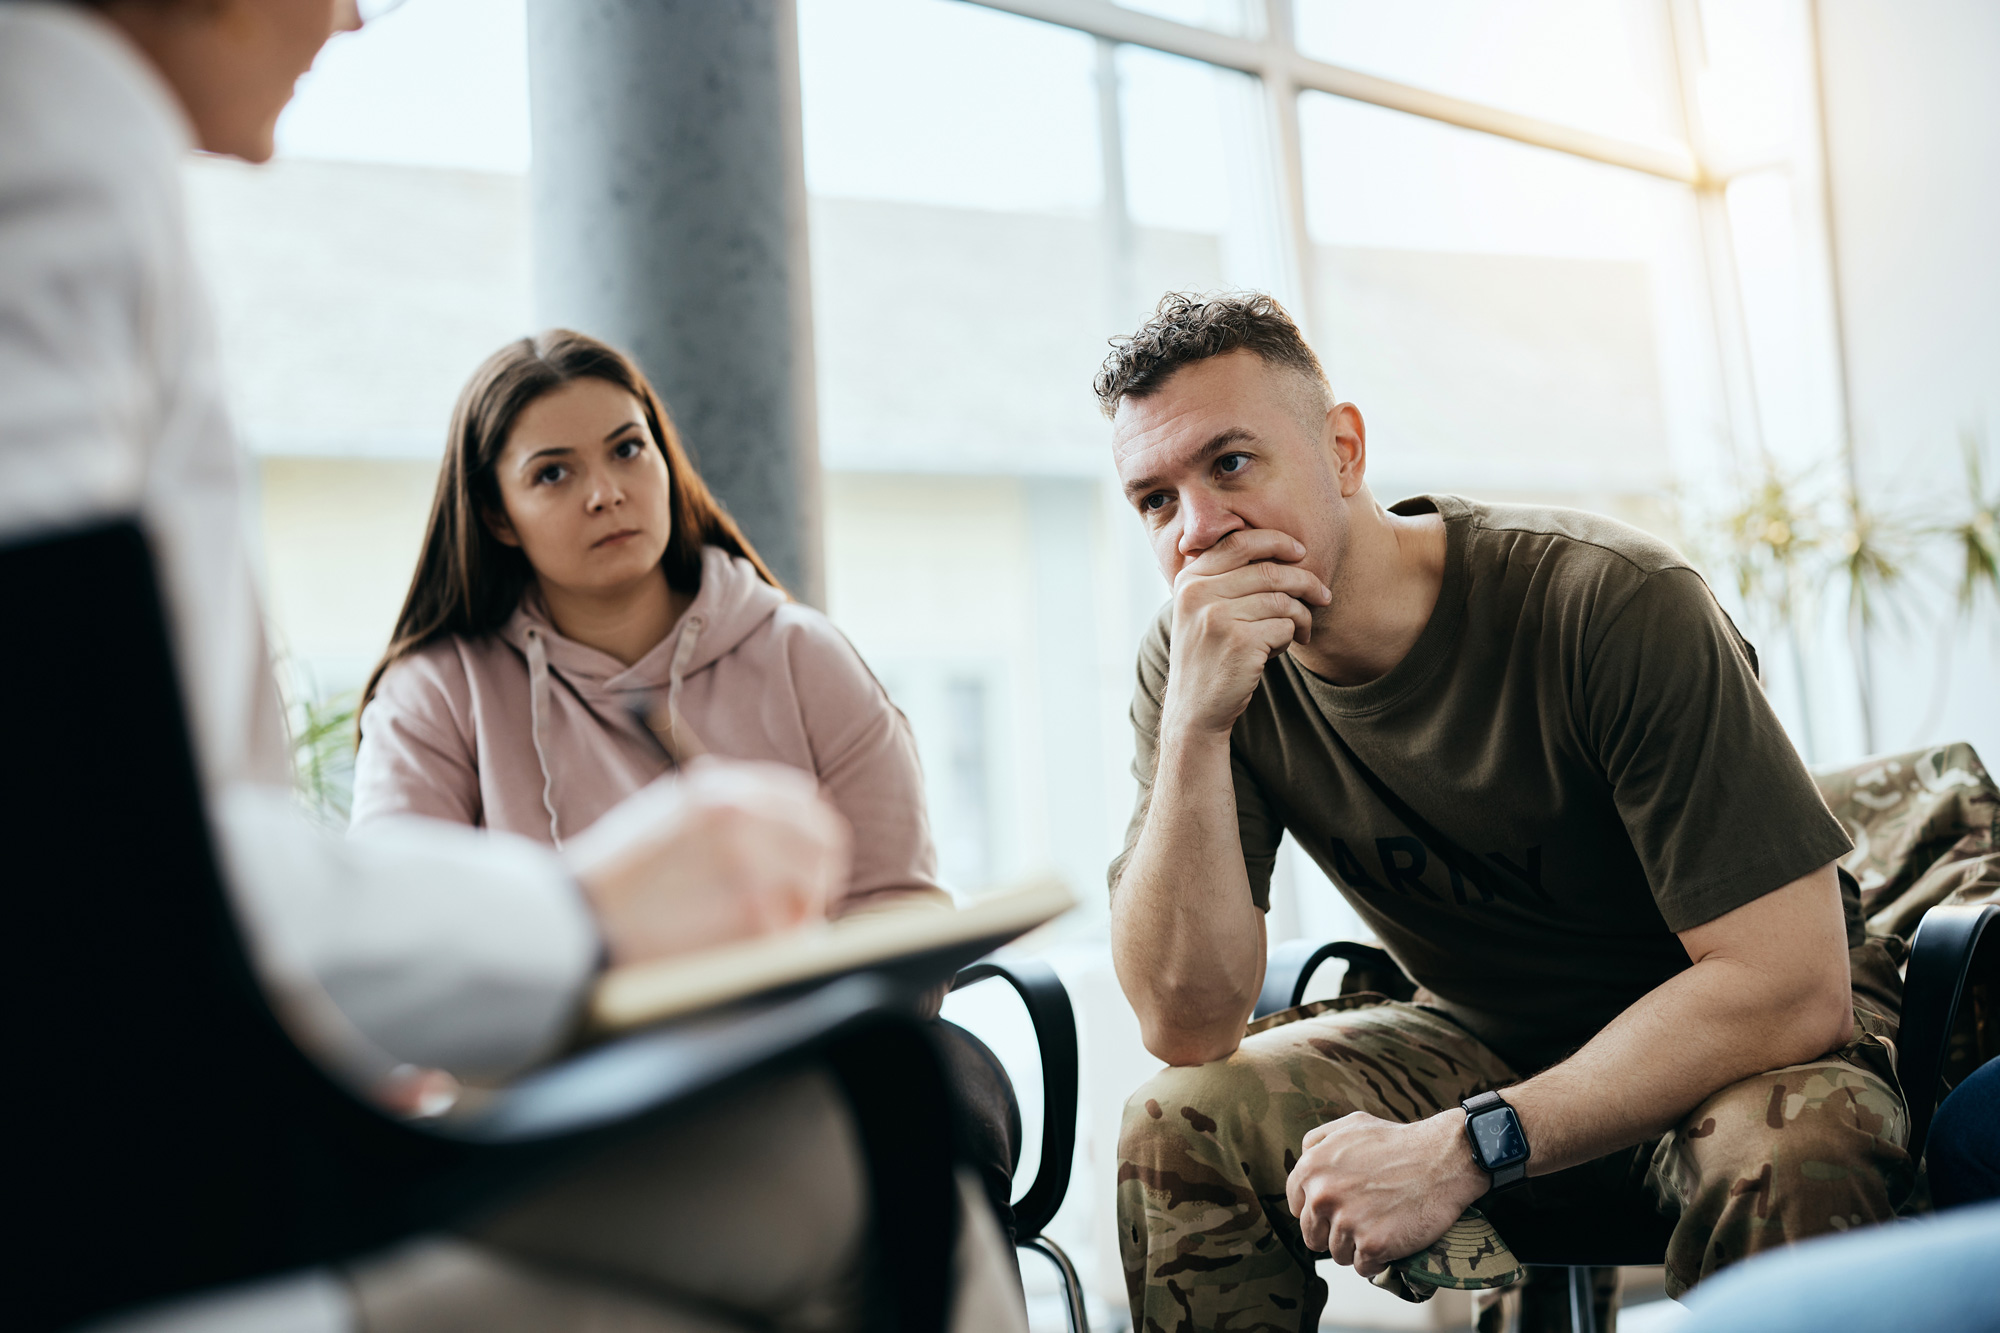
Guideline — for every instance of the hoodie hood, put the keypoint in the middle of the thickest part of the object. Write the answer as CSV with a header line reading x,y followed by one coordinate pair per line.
x,y
732,604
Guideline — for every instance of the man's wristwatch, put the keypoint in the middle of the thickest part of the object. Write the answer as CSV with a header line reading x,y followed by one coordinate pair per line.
x,y
1498,1144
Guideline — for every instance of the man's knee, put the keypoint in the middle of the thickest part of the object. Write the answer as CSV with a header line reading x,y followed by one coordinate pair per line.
x,y
1202,1151
1816,1139
1220,1102
1171,1105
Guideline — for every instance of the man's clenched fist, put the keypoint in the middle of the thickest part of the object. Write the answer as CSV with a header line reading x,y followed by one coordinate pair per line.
x,y
1369,1191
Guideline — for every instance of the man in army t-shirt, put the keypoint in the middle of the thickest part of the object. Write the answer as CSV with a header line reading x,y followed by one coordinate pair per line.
x,y
1533,753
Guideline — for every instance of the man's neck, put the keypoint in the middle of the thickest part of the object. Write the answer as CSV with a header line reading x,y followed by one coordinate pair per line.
x,y
1384,592
627,622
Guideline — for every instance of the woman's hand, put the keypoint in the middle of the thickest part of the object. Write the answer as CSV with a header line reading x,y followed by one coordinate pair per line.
x,y
721,851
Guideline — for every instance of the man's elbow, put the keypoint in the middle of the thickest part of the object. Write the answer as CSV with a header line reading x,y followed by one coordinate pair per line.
x,y
1190,1029
1182,1046
1834,1008
1822,1018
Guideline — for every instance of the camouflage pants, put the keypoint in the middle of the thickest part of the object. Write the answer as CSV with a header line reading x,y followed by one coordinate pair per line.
x,y
1208,1241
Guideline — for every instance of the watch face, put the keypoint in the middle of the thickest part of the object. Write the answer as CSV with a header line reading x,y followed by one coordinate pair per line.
x,y
1497,1134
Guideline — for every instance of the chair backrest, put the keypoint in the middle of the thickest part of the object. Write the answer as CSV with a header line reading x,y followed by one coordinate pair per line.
x,y
1956,953
167,1130
1047,1002
1290,967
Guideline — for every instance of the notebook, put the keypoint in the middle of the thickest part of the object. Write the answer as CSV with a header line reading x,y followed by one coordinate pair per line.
x,y
924,947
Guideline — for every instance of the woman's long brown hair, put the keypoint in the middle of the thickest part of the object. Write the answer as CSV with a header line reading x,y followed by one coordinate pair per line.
x,y
468,582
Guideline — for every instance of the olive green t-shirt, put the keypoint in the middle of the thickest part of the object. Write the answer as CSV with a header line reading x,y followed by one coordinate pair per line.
x,y
1580,713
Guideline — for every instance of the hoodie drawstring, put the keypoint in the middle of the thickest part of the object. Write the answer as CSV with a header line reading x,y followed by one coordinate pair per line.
x,y
682,745
681,741
538,716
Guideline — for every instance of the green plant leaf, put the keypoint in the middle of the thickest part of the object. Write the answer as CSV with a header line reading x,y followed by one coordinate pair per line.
x,y
323,755
1873,554
1976,534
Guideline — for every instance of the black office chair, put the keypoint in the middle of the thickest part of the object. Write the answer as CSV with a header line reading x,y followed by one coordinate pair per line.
x,y
169,1138
1055,1035
1952,950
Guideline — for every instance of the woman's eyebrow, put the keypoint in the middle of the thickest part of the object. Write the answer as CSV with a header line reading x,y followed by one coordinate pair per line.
x,y
622,427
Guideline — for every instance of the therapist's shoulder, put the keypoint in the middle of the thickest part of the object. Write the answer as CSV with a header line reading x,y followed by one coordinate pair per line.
x,y
102,336
81,107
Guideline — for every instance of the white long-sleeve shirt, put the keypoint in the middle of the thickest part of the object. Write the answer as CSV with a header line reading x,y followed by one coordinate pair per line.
x,y
438,945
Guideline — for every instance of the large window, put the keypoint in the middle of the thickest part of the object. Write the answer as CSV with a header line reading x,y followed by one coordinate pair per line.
x,y
1567,250
1512,322
1593,64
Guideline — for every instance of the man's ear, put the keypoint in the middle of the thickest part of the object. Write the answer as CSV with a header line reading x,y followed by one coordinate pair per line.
x,y
1347,437
500,526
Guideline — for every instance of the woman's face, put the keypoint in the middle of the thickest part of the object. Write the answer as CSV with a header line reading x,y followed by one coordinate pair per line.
x,y
585,489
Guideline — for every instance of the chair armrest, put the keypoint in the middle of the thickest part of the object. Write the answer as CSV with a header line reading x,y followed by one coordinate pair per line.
x,y
661,1069
1047,1001
1290,967
1941,956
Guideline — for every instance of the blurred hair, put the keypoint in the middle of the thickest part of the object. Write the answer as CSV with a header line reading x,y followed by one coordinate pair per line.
x,y
1185,328
468,581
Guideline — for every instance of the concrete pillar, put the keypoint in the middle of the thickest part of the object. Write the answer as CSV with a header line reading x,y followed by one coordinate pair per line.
x,y
670,219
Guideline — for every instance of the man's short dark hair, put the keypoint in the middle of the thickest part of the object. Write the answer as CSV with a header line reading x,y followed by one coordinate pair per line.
x,y
1185,328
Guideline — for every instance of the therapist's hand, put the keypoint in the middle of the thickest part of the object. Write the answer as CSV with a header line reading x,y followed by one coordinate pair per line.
x,y
721,851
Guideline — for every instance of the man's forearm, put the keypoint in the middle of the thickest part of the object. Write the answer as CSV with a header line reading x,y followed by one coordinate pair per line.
x,y
1187,940
1768,987
1715,1023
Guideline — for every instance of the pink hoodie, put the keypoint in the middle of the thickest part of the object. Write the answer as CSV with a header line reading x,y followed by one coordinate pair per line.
x,y
528,731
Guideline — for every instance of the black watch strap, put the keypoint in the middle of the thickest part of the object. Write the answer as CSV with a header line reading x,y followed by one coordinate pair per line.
x,y
1506,1173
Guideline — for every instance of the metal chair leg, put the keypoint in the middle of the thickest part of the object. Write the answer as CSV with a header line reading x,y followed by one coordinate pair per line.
x,y
1072,1286
1582,1299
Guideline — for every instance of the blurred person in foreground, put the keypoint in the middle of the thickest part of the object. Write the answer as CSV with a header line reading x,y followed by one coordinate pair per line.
x,y
586,617
429,944
1934,1273
1533,752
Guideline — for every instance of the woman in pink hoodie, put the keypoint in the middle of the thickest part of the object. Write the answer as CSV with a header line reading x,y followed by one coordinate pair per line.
x,y
585,616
